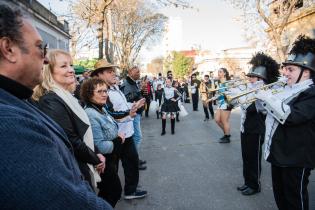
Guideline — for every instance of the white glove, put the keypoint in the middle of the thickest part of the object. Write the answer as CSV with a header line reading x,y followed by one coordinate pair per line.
x,y
283,79
262,95
274,106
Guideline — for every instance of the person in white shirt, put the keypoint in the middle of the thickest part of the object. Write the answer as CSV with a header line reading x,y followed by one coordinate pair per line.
x,y
158,81
119,108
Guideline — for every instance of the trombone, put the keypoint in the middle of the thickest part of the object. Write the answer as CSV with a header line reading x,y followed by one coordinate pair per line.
x,y
234,100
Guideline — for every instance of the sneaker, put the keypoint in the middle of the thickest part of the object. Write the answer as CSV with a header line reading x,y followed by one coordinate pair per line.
x,y
206,119
136,195
226,139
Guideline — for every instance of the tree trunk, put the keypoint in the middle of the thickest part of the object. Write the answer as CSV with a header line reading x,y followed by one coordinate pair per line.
x,y
73,43
100,45
279,46
107,53
100,37
107,41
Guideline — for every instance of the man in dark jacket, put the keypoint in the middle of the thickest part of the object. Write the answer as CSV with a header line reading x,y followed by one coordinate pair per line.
x,y
133,93
290,133
37,167
195,83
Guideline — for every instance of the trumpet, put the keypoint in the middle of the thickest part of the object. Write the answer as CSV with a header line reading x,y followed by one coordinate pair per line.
x,y
233,81
234,100
230,84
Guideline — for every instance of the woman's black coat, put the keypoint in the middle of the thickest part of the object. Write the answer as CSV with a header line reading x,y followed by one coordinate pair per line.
x,y
52,105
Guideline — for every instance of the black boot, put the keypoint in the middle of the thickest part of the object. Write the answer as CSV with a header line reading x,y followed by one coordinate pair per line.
x,y
163,126
157,115
173,126
177,117
225,139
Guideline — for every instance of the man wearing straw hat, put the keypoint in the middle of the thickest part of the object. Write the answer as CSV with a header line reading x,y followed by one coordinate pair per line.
x,y
124,112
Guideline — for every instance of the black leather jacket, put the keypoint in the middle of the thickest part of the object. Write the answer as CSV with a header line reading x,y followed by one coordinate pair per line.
x,y
131,91
52,105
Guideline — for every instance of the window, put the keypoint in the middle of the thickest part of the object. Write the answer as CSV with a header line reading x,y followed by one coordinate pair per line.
x,y
299,4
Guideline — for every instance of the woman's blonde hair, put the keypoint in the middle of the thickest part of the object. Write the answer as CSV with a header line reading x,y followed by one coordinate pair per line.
x,y
48,82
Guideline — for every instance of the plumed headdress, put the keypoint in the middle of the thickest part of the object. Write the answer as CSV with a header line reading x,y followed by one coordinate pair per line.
x,y
265,67
302,53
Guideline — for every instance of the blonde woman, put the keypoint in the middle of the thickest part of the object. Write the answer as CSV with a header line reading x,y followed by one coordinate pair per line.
x,y
54,97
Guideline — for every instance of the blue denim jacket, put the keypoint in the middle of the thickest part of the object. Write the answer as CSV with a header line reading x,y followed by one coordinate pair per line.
x,y
104,129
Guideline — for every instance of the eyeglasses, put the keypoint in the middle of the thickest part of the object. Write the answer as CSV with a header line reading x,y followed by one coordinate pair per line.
x,y
101,91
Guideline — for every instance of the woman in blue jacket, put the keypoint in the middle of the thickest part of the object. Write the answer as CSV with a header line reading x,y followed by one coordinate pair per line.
x,y
106,137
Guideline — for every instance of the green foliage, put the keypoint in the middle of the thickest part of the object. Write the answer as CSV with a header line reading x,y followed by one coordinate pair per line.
x,y
88,63
181,65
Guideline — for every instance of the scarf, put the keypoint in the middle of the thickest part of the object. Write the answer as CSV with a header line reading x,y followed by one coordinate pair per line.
x,y
74,105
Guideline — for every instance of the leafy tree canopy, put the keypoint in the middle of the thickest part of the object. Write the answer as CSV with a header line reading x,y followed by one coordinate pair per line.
x,y
88,63
181,65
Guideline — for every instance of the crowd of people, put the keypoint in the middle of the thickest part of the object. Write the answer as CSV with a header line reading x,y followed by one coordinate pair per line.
x,y
62,139
54,145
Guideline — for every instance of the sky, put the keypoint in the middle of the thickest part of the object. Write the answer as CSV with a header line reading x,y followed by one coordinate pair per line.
x,y
211,25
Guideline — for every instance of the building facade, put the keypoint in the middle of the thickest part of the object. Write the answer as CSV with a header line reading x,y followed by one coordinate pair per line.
x,y
301,21
55,33
235,60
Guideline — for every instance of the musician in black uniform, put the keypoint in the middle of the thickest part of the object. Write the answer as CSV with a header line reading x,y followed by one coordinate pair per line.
x,y
264,70
194,83
158,98
290,128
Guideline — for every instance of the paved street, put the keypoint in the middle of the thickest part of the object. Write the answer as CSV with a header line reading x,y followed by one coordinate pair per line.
x,y
190,170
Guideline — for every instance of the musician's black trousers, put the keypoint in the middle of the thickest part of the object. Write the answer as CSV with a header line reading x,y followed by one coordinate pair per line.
x,y
290,187
251,153
195,98
206,106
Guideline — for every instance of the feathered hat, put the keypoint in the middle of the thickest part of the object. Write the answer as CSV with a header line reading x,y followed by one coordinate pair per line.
x,y
265,67
302,53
